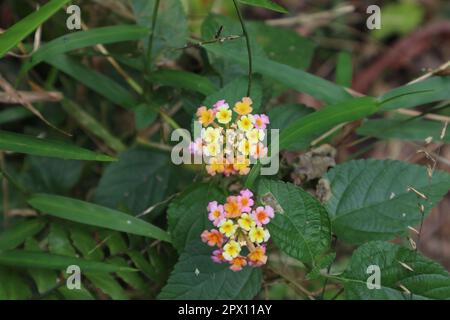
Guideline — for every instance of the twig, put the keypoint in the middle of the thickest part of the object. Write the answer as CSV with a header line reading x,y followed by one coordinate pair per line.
x,y
31,96
315,18
444,68
249,49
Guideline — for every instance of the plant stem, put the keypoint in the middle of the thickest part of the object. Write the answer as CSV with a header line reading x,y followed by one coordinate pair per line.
x,y
151,37
249,49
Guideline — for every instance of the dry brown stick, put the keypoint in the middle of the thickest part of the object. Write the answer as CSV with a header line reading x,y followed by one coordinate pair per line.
x,y
9,90
31,96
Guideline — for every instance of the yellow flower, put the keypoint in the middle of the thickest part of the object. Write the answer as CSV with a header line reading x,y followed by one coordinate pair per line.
x,y
245,123
211,134
215,165
243,107
223,115
228,228
242,165
246,222
205,116
255,135
244,147
259,235
231,250
211,149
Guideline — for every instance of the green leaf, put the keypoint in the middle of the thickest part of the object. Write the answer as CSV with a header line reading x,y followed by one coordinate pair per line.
x,y
297,79
184,80
13,286
17,234
51,175
370,198
59,241
94,80
428,280
79,294
344,69
145,115
171,30
44,279
143,265
131,278
83,240
417,129
267,4
82,39
283,45
95,215
235,91
32,259
108,285
138,180
113,240
416,94
24,27
302,229
282,116
187,214
92,125
48,148
211,281
326,118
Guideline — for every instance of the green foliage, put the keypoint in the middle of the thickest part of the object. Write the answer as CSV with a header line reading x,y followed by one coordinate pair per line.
x,y
423,279
302,228
197,277
134,226
48,148
371,200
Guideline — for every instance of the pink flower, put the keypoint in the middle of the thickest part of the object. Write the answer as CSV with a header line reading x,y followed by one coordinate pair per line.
x,y
260,121
217,256
245,200
218,104
262,215
196,147
216,213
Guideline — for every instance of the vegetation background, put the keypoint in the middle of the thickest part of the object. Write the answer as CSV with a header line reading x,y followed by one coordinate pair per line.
x,y
121,97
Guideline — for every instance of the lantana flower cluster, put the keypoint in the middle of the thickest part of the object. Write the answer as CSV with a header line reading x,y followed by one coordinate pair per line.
x,y
230,138
241,234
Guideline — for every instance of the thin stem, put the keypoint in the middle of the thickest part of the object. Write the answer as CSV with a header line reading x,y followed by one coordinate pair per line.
x,y
150,39
249,49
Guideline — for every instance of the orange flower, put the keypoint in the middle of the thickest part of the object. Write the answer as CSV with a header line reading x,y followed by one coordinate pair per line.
x,y
232,207
257,257
205,116
238,263
212,238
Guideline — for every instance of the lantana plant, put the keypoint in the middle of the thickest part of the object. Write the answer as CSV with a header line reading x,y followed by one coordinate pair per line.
x,y
241,235
231,139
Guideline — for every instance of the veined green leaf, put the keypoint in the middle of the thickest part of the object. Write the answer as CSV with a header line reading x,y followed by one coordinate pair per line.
x,y
82,39
48,148
187,215
33,259
266,4
197,277
95,215
370,198
16,235
302,229
24,27
400,269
